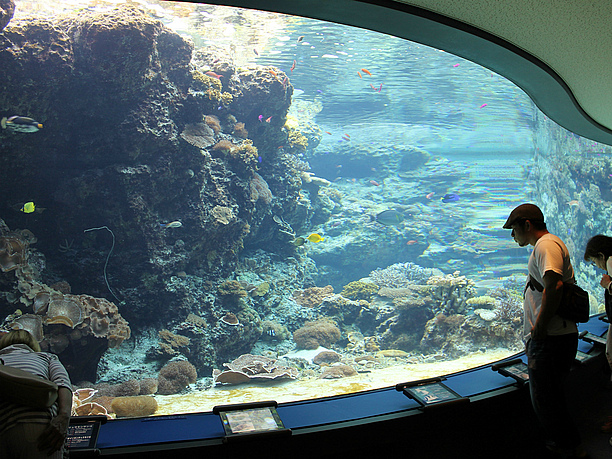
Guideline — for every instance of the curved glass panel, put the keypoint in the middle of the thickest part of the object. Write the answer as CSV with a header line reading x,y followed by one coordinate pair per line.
x,y
227,205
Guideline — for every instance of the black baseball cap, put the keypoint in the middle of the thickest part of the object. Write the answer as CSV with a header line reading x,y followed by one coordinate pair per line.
x,y
524,212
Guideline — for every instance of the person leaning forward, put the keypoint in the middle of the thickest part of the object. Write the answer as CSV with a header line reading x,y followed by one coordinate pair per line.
x,y
551,341
27,432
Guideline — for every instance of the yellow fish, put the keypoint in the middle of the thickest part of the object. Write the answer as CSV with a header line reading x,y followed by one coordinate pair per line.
x,y
28,207
314,237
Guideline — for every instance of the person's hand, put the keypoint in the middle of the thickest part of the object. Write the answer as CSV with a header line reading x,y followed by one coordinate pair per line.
x,y
538,332
53,437
605,281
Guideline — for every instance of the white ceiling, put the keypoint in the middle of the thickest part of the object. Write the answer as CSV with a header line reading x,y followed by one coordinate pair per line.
x,y
573,37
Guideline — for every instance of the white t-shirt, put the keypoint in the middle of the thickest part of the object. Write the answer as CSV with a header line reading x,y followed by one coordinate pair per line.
x,y
549,254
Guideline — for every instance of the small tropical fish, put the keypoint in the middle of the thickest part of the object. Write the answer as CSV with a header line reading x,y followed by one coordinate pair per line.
x,y
259,159
299,241
573,203
359,73
483,105
456,65
450,197
366,71
372,86
255,51
389,217
273,73
20,124
430,195
268,119
300,38
314,237
374,182
214,75
345,137
260,118
380,89
327,132
174,224
293,66
411,242
28,208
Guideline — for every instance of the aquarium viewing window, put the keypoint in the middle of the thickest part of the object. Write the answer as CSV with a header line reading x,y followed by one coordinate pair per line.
x,y
206,205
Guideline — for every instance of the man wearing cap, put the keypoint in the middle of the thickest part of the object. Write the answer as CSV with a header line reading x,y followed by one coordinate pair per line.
x,y
551,341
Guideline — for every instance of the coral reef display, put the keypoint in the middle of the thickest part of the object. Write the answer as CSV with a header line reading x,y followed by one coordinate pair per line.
x,y
265,222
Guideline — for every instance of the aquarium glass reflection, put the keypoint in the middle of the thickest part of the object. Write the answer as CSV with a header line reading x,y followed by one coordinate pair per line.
x,y
206,205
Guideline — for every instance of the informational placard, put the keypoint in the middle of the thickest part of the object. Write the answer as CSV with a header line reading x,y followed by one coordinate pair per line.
x,y
430,392
247,420
515,369
594,339
582,356
83,432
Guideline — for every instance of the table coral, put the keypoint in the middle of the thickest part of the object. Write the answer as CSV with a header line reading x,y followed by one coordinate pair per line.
x,y
249,367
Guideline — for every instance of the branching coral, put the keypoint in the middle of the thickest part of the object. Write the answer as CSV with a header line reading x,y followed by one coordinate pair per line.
x,y
402,275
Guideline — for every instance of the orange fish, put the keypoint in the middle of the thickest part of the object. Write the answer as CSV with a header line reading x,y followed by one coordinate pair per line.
x,y
272,72
573,203
268,120
347,135
411,242
359,73
214,75
327,132
366,71
374,182
346,138
293,66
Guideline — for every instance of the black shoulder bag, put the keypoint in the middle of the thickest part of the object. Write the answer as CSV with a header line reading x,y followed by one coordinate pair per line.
x,y
574,306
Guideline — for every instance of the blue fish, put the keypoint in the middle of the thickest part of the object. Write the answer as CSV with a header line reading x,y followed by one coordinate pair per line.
x,y
450,197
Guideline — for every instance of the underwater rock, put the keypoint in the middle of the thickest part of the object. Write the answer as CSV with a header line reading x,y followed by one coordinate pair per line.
x,y
7,9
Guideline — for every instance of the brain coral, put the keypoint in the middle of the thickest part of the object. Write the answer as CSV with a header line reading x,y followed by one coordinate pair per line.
x,y
314,334
175,376
139,405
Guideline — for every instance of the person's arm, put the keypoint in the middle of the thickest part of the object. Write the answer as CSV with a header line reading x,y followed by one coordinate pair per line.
x,y
551,298
53,437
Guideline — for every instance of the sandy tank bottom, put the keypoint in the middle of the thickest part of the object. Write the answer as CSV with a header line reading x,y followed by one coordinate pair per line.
x,y
311,388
